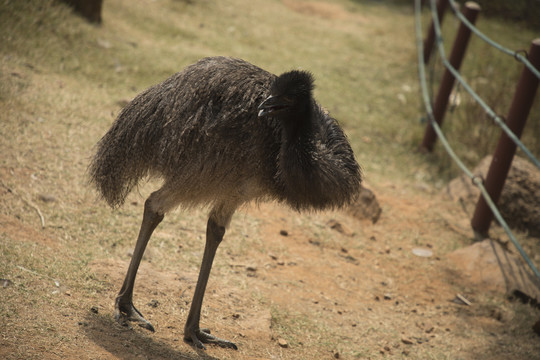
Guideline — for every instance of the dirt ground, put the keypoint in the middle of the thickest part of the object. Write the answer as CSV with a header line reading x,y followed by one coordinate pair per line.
x,y
284,285
349,289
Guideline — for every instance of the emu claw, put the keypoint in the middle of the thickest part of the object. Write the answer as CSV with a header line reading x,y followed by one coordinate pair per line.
x,y
125,312
199,337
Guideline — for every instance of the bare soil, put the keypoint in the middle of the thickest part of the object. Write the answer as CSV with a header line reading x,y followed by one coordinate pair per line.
x,y
284,285
294,292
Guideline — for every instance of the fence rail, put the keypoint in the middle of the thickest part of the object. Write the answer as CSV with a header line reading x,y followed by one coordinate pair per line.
x,y
434,123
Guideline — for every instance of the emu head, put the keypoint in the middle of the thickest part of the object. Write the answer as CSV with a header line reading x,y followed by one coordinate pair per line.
x,y
290,96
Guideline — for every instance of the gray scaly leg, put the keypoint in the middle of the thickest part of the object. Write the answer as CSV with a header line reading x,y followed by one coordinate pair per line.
x,y
124,309
192,332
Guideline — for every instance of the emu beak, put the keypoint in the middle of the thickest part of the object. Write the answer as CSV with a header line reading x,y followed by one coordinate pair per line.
x,y
272,104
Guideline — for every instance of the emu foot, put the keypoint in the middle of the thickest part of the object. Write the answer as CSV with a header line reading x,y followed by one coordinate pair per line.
x,y
124,311
199,337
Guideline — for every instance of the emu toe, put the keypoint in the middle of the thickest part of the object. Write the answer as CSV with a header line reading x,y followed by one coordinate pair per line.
x,y
199,337
125,312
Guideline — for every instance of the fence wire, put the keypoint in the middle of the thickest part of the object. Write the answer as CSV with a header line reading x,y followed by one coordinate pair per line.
x,y
516,54
429,110
489,111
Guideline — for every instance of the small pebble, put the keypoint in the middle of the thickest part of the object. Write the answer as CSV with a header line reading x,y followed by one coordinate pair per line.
x,y
406,341
421,252
339,227
46,198
314,242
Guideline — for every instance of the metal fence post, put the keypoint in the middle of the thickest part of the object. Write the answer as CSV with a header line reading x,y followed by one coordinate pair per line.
x,y
470,12
430,37
506,148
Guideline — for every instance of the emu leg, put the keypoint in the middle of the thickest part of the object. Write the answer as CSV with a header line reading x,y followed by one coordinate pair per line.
x,y
124,309
192,331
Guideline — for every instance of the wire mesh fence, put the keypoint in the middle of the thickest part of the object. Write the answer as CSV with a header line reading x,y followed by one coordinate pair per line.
x,y
486,207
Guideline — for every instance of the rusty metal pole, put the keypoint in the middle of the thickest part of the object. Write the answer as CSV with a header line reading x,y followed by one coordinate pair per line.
x,y
430,37
470,12
506,148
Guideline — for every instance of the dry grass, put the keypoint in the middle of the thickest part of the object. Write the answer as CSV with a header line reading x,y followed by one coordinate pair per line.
x,y
62,82
494,76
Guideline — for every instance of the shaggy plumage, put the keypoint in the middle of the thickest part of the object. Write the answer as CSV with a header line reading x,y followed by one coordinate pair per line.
x,y
199,131
221,133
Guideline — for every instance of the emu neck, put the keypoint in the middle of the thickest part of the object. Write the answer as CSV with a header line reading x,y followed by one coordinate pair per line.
x,y
298,125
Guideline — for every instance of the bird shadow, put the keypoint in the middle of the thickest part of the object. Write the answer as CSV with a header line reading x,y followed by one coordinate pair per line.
x,y
128,343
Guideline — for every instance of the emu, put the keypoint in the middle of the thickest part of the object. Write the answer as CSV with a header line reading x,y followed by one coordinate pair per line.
x,y
221,133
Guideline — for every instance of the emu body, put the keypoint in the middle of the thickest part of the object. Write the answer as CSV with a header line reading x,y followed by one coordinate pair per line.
x,y
222,133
